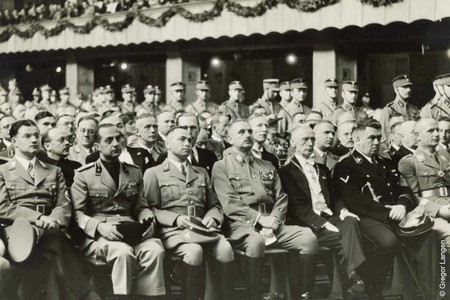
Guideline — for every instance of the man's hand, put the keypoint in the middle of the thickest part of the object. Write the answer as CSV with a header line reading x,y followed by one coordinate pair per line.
x,y
269,222
330,227
397,212
444,212
209,222
182,222
109,232
149,232
345,213
46,222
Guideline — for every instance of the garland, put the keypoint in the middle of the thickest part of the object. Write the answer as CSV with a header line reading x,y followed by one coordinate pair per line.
x,y
207,15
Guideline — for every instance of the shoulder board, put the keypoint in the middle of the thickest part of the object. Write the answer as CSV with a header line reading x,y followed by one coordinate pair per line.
x,y
390,103
408,155
86,167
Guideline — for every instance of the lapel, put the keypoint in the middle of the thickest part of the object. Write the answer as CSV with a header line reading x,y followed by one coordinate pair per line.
x,y
174,172
136,156
124,178
20,172
365,164
425,158
191,174
443,159
105,177
299,175
40,172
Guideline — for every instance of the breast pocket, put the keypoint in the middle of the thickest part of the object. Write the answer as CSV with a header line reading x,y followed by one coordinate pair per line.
x,y
51,188
427,179
169,190
98,200
201,187
241,184
15,190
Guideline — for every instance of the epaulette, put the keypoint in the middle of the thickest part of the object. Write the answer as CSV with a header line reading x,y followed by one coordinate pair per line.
x,y
390,103
166,167
86,167
408,155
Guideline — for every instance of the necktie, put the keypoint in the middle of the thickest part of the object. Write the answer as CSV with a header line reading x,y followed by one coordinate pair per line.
x,y
31,170
325,158
183,170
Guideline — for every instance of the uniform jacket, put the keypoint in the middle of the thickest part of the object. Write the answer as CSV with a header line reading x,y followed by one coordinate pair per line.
x,y
140,157
340,150
426,111
154,109
96,198
235,110
200,106
331,160
326,108
206,159
295,183
399,154
266,155
175,107
398,106
441,108
169,193
271,107
241,184
422,172
78,153
20,195
67,167
352,176
358,112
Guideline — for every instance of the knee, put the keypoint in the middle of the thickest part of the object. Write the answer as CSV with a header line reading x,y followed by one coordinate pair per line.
x,y
4,265
154,253
193,254
350,223
255,246
308,243
122,251
224,252
390,244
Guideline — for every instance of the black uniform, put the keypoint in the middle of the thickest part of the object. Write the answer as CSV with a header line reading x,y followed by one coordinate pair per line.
x,y
399,154
340,150
67,166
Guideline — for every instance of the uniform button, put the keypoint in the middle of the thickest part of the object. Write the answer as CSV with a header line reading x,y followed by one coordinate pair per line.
x,y
248,222
254,176
96,195
35,187
190,192
389,184
35,197
191,202
237,178
188,185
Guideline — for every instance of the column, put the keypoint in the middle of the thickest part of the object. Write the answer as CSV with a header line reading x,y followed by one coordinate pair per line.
x,y
79,76
174,71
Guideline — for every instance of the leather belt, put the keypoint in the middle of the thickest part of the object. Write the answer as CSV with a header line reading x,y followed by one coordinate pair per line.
x,y
263,208
442,191
190,211
43,209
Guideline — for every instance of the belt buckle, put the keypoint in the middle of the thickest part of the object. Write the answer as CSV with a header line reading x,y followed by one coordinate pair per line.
x,y
40,208
191,212
262,208
443,191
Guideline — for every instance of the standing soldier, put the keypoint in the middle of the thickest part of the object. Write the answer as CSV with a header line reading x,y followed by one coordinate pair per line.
x,y
329,105
128,99
285,93
64,100
108,204
403,89
109,96
233,108
177,101
203,102
443,106
369,187
45,101
158,98
255,205
36,96
178,191
268,99
148,105
350,92
433,105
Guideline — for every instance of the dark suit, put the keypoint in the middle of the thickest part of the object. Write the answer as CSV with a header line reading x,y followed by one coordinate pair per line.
x,y
67,167
340,150
402,152
140,157
206,159
266,155
347,241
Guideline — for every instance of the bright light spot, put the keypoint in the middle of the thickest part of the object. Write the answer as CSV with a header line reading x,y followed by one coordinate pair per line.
x,y
58,69
448,53
123,66
291,59
28,68
215,61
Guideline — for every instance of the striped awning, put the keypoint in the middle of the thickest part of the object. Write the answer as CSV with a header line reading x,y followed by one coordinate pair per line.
x,y
279,19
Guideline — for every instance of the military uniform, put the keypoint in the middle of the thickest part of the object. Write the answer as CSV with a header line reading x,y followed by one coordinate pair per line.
x,y
127,107
326,108
426,111
152,109
285,115
234,109
325,158
366,187
271,107
79,153
357,112
175,107
67,166
428,176
97,199
201,106
21,196
398,106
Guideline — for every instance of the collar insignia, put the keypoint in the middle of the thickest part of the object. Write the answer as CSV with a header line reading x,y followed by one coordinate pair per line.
x,y
345,180
166,167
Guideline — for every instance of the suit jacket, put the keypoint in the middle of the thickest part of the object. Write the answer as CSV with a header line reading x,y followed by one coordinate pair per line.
x,y
67,166
266,155
96,198
295,184
218,147
354,177
78,153
206,159
402,152
140,157
20,195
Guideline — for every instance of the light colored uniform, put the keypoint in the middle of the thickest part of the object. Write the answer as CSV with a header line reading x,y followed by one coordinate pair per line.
x,y
399,106
234,109
96,199
201,106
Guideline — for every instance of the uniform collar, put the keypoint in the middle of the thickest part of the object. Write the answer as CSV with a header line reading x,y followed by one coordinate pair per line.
x,y
25,162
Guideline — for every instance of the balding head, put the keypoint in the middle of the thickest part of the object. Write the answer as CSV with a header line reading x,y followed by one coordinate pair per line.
x,y
241,135
407,134
427,133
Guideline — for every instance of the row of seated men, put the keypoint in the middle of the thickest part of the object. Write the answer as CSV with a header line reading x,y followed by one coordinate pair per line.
x,y
248,197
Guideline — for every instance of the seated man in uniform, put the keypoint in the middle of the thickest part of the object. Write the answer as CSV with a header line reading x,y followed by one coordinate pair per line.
x,y
427,173
105,194
35,191
369,186
176,191
255,205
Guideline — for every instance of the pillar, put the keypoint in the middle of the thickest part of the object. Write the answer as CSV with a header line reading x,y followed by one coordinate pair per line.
x,y
79,77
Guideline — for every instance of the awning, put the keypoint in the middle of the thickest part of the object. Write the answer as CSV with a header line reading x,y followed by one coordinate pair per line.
x,y
279,19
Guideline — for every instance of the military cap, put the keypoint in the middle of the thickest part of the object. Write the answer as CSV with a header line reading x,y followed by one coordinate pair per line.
x,y
127,88
36,92
401,80
64,91
270,83
132,231
331,82
149,89
415,223
445,79
351,86
202,85
157,90
21,236
80,96
299,83
46,87
176,86
235,85
285,86
108,89
3,92
198,233
366,94
16,92
54,93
